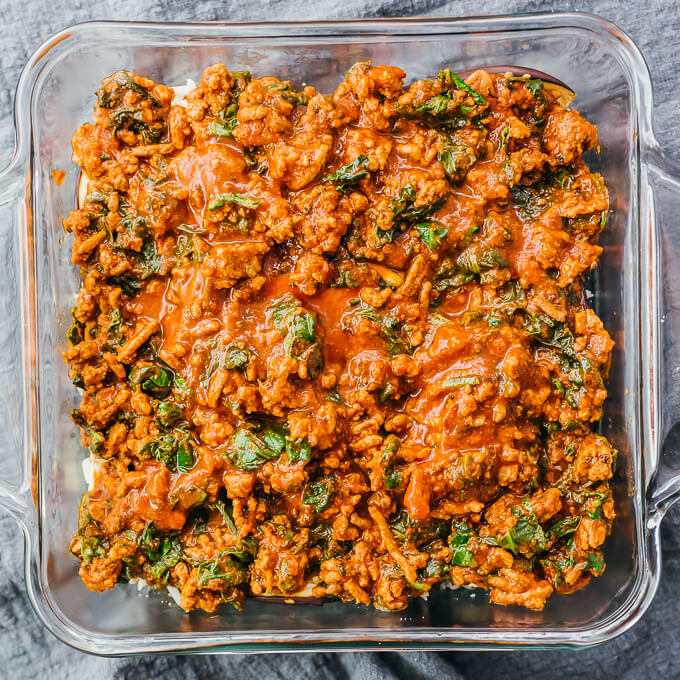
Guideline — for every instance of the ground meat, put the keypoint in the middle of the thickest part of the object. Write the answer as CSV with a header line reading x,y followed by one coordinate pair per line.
x,y
337,343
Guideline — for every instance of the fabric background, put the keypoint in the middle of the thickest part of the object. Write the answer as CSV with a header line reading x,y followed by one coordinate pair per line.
x,y
651,649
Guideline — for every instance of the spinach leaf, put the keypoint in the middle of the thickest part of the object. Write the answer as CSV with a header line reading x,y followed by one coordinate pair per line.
x,y
390,330
184,457
476,261
321,535
401,526
248,452
170,554
298,450
227,121
221,568
149,541
564,527
318,494
393,479
91,547
224,128
152,380
386,393
236,357
124,80
151,262
473,261
125,118
95,440
76,333
534,85
274,439
246,548
450,77
115,329
551,333
595,562
432,569
227,512
297,326
531,201
432,235
527,534
109,97
456,159
405,213
173,449
129,285
461,380
391,476
251,202
437,110
458,541
232,357
349,174
167,413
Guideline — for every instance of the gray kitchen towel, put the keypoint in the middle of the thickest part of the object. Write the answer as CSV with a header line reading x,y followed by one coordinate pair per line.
x,y
651,649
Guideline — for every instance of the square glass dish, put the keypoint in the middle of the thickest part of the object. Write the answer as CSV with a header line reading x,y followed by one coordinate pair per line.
x,y
40,480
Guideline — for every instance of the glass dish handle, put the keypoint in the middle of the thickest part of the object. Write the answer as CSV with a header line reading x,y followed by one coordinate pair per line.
x,y
663,178
15,495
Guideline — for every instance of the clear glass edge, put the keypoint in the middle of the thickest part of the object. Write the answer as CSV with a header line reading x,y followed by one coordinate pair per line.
x,y
437,639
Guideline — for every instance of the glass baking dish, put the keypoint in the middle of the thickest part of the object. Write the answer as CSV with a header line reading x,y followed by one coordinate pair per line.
x,y
40,479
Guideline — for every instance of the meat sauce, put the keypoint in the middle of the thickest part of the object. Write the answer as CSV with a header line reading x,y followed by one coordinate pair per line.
x,y
338,345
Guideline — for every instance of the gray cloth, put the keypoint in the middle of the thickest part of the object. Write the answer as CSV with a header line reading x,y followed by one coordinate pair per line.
x,y
651,649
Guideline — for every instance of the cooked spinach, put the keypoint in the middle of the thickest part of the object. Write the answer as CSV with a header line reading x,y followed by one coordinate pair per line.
x,y
431,234
298,450
125,118
534,85
564,527
404,210
459,539
461,381
226,122
155,381
349,174
527,535
168,556
110,98
225,357
318,494
243,200
149,541
438,110
129,285
221,568
390,329
297,326
550,333
167,413
91,547
454,79
173,449
595,562
391,475
115,329
472,261
248,452
456,159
